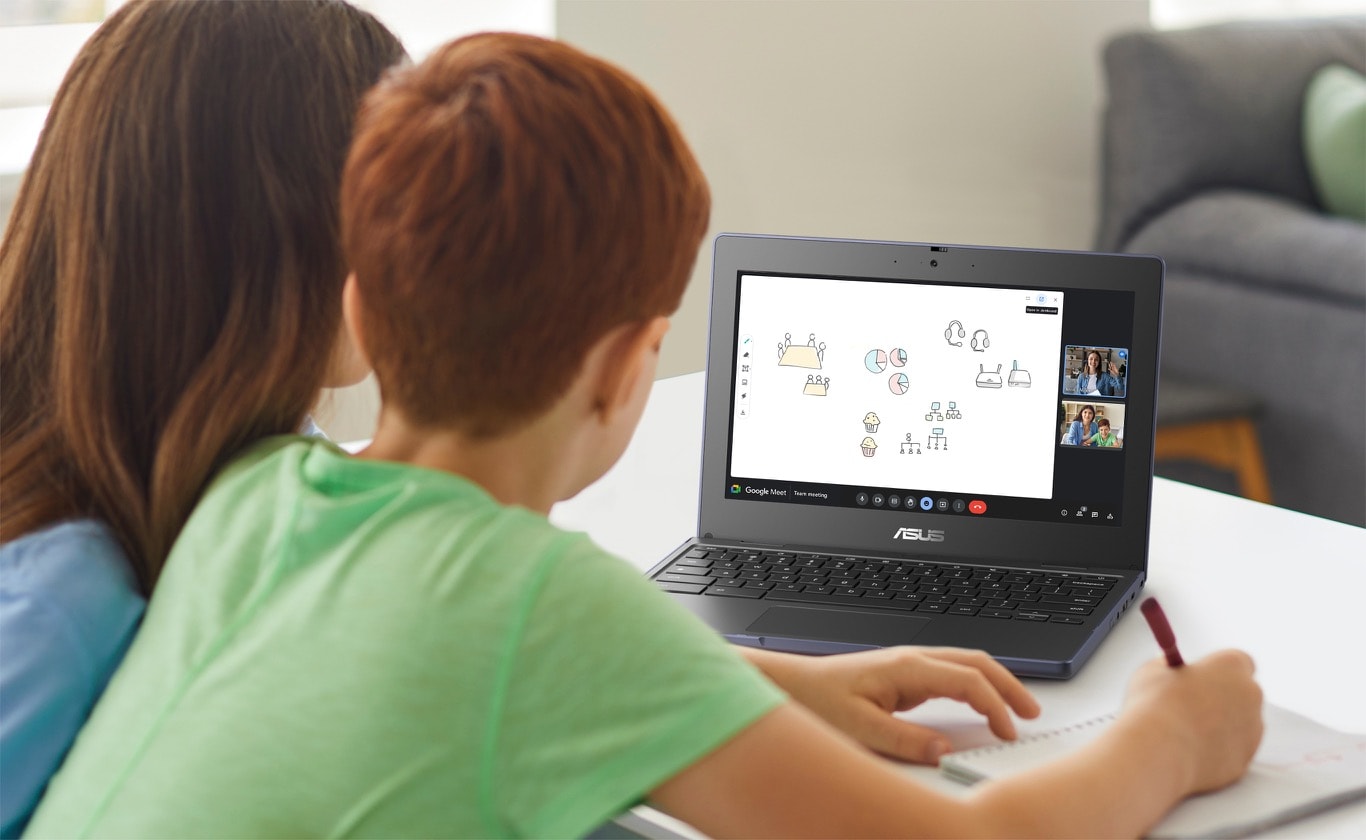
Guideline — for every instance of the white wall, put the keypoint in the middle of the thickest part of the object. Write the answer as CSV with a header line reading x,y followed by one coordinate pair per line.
x,y
936,120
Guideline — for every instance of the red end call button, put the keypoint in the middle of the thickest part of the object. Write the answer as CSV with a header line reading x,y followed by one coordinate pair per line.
x,y
977,506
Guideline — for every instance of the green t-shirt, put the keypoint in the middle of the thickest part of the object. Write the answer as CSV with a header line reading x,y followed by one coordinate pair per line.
x,y
1102,439
341,647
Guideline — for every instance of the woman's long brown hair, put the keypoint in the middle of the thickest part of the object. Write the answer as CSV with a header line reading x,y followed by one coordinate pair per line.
x,y
170,280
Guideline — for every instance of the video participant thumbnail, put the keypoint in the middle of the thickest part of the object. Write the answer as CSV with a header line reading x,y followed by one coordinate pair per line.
x,y
1095,371
1092,425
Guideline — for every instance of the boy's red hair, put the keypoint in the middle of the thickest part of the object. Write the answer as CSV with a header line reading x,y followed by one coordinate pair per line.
x,y
506,203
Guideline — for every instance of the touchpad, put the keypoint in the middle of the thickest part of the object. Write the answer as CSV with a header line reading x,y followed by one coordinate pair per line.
x,y
838,626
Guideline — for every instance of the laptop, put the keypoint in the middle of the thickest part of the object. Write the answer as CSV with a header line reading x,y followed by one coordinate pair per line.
x,y
913,443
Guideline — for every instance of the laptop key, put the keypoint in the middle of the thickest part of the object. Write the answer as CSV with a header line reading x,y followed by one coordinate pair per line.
x,y
1065,609
1069,599
679,569
962,609
932,608
735,592
683,588
988,612
1031,616
693,561
1067,619
688,579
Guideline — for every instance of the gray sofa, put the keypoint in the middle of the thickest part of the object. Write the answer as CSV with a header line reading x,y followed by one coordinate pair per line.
x,y
1203,165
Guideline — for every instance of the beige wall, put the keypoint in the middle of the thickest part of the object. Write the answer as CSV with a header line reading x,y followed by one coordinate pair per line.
x,y
967,121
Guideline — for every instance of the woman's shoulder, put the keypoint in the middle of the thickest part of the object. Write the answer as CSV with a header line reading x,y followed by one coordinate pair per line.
x,y
73,571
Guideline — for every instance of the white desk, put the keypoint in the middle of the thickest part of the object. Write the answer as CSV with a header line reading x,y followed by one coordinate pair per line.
x,y
1217,562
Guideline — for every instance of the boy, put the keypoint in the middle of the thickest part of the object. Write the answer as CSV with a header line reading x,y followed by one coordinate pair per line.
x,y
1102,437
401,644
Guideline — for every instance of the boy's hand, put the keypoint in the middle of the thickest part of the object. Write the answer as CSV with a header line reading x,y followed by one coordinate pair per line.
x,y
1210,710
858,692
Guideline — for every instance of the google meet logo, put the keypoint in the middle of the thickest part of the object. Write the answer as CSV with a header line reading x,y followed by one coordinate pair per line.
x,y
735,488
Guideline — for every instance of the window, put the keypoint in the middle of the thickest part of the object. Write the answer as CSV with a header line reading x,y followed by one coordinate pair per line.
x,y
1175,14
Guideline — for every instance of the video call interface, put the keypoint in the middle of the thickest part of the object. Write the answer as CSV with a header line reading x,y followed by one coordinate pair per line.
x,y
936,398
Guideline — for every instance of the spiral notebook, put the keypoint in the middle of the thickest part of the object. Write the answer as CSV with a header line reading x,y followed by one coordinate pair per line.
x,y
1302,767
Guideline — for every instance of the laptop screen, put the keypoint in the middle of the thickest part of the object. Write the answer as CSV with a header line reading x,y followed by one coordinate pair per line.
x,y
903,398
948,399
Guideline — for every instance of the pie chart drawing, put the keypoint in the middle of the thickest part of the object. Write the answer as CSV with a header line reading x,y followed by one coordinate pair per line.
x,y
899,383
875,361
897,357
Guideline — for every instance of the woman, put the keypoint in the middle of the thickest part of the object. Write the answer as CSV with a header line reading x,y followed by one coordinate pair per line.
x,y
170,292
1096,379
1082,427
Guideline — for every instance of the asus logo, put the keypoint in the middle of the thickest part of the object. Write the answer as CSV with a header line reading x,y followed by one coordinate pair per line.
x,y
922,534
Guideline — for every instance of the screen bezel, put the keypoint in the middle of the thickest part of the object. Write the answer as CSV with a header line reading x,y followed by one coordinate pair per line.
x,y
1123,546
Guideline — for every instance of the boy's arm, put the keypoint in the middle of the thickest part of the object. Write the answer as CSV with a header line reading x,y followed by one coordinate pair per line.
x,y
858,693
1183,731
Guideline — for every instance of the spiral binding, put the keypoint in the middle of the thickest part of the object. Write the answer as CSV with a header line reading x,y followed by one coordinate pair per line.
x,y
1037,736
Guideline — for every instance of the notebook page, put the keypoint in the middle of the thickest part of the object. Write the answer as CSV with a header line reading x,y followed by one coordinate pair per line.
x,y
1301,768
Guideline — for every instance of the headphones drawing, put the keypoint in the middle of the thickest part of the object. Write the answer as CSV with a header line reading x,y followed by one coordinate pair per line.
x,y
948,334
985,342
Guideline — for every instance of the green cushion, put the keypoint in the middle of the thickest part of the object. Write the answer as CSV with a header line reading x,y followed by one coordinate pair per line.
x,y
1335,139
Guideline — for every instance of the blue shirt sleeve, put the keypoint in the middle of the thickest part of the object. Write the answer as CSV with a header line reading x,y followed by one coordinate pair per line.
x,y
69,605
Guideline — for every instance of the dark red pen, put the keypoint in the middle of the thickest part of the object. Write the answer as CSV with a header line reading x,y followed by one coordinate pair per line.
x,y
1166,639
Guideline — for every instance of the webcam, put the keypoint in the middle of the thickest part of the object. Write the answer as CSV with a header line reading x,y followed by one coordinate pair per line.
x,y
934,263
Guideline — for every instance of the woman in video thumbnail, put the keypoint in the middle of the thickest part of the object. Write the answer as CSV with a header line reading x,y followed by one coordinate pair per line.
x,y
1097,379
1082,428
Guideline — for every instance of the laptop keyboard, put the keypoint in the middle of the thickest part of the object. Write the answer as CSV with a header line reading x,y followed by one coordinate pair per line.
x,y
906,585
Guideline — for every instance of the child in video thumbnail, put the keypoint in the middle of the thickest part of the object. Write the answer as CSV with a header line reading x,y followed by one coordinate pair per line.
x,y
1103,437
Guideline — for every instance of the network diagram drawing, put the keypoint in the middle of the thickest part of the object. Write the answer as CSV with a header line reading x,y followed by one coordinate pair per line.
x,y
894,364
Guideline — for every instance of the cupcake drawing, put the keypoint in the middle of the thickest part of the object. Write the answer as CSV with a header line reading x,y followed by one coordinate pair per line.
x,y
869,447
871,421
